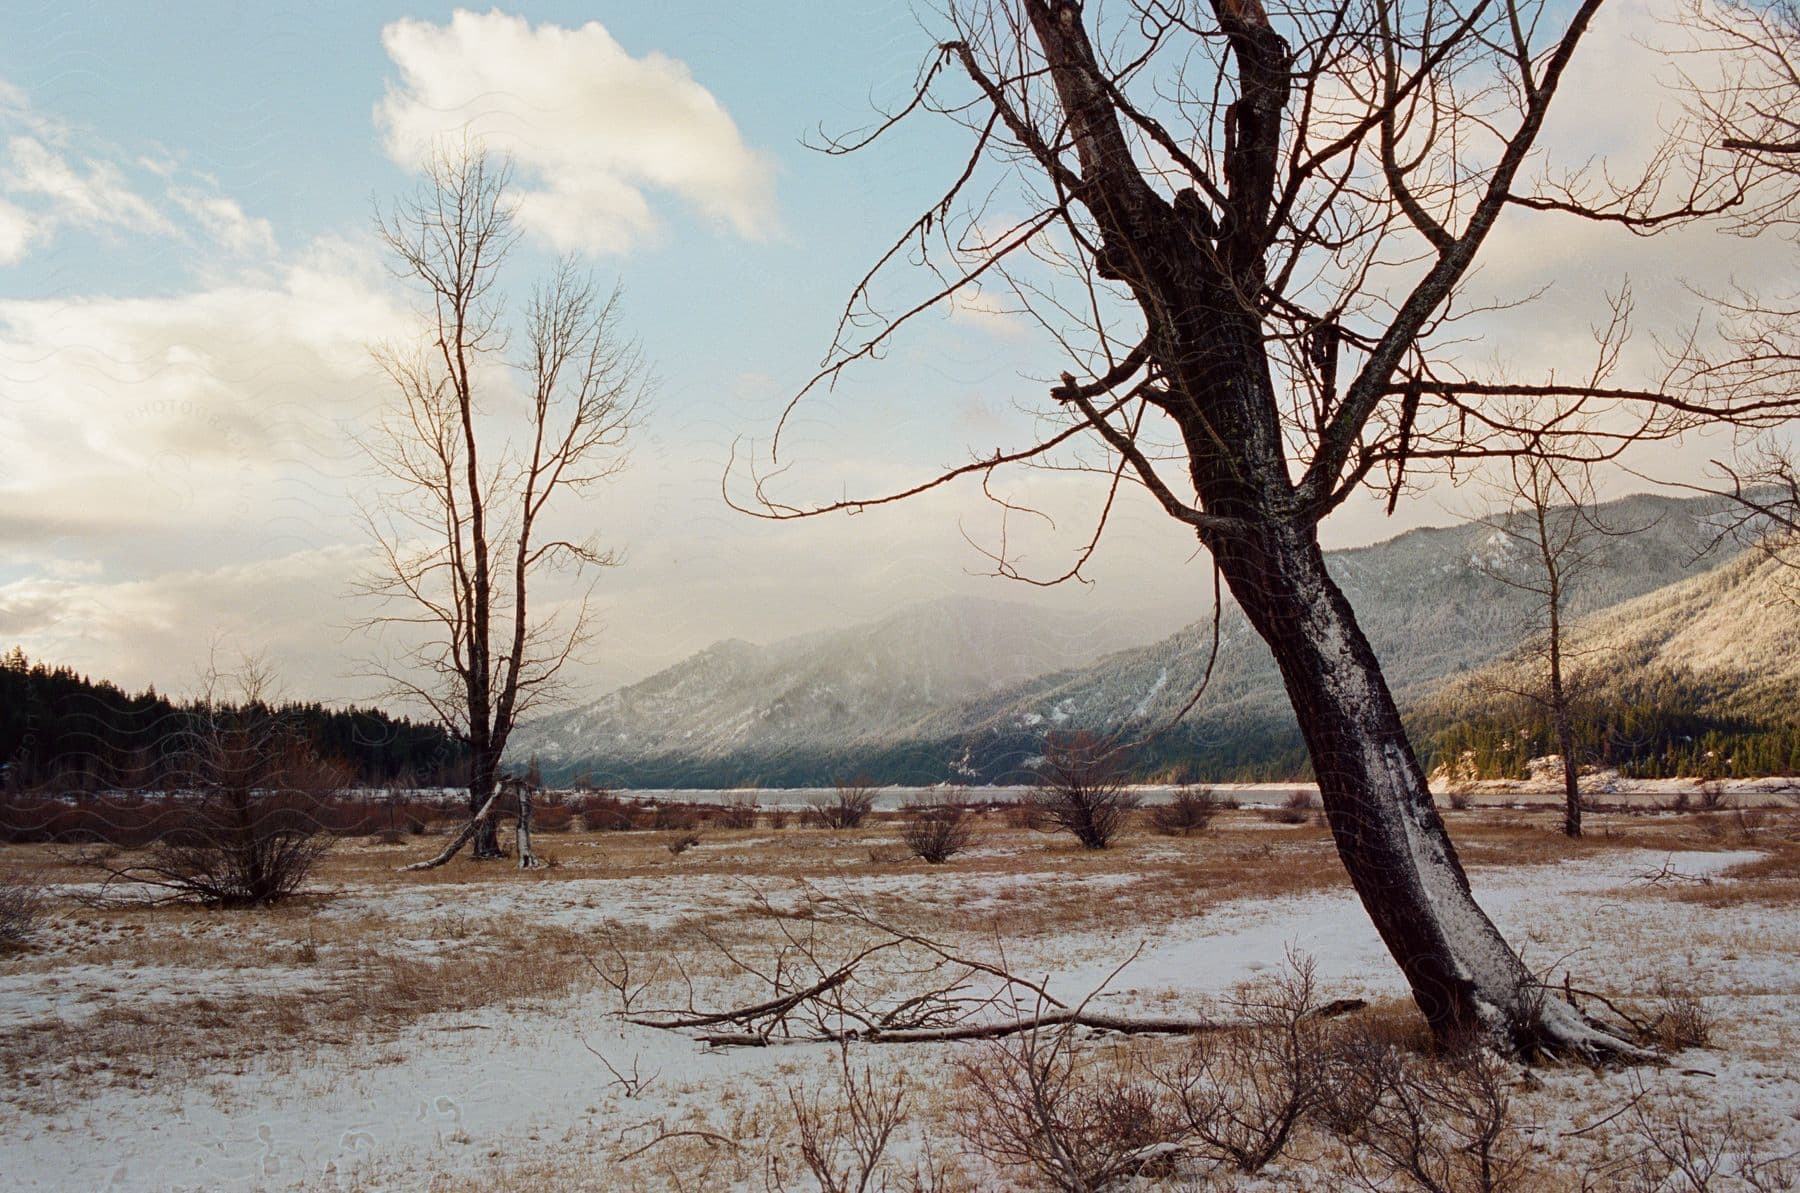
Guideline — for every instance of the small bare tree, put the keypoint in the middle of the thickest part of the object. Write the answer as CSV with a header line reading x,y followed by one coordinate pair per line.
x,y
1081,788
1549,514
476,464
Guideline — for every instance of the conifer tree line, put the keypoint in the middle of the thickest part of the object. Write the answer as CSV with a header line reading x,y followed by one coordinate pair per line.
x,y
62,730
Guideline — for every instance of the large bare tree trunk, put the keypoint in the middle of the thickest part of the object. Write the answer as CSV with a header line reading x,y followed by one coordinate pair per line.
x,y
1464,976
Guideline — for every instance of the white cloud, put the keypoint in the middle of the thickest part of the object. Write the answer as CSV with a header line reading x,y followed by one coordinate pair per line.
x,y
53,177
590,126
159,629
224,219
222,414
17,230
95,195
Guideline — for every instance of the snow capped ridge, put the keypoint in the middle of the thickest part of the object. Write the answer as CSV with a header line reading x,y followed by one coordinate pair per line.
x,y
960,689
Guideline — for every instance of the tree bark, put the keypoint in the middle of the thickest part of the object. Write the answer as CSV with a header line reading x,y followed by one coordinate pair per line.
x,y
483,776
1464,976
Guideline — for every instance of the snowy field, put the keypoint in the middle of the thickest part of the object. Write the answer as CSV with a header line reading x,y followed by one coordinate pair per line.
x,y
462,1029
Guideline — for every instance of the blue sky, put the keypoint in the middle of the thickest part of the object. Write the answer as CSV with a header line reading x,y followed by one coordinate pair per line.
x,y
188,283
271,114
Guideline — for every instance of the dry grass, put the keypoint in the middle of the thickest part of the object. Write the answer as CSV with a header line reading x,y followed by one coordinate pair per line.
x,y
322,972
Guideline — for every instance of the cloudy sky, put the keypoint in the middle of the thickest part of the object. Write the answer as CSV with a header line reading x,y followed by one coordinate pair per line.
x,y
189,285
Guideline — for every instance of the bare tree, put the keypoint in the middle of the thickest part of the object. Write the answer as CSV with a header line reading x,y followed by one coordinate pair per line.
x,y
1247,231
1549,514
477,462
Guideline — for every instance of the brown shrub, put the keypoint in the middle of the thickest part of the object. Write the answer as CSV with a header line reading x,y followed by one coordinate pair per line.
x,y
1297,808
1440,1124
1081,788
1189,810
846,808
1242,1092
1032,1103
935,833
737,812
21,910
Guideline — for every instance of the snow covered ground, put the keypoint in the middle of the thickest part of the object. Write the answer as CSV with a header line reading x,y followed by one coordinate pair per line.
x,y
488,1096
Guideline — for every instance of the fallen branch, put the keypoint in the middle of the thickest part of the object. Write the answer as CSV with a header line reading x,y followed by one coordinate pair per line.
x,y
837,1002
708,1136
1123,1024
1669,873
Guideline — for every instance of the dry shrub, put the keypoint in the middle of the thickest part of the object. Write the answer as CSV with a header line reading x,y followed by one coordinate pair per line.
x,y
1081,788
1242,1092
776,818
604,812
1712,794
1751,824
1032,1103
552,818
1679,1018
1022,813
251,832
665,817
844,1132
1442,1123
847,807
1668,1147
737,812
935,833
1297,808
1189,810
21,910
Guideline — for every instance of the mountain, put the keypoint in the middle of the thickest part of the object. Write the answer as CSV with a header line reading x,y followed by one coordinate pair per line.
x,y
968,690
1426,599
822,702
1696,676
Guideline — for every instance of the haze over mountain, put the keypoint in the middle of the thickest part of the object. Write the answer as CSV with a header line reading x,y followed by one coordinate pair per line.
x,y
837,694
961,690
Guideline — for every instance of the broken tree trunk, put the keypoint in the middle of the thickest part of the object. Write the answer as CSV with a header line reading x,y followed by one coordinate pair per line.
x,y
527,859
483,817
